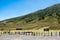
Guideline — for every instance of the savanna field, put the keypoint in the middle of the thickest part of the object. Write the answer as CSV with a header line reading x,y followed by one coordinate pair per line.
x,y
43,24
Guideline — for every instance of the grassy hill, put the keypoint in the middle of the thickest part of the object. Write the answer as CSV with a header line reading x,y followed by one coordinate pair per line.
x,y
49,16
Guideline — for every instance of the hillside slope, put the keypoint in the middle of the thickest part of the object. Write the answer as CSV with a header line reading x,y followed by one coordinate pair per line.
x,y
49,16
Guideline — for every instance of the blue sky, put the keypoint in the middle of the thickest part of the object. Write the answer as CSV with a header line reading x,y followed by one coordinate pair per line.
x,y
15,8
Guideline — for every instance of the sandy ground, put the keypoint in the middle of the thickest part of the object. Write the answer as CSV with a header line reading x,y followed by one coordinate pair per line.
x,y
28,37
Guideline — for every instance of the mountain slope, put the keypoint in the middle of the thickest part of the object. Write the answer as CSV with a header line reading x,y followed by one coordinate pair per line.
x,y
46,17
